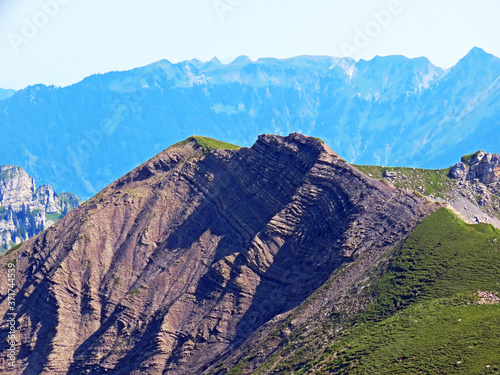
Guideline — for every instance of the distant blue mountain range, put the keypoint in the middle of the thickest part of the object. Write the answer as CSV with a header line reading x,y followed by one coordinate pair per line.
x,y
386,111
4,94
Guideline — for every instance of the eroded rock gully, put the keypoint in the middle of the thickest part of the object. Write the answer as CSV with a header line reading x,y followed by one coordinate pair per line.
x,y
178,263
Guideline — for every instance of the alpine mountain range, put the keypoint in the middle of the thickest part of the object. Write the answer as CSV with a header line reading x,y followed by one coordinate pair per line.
x,y
387,111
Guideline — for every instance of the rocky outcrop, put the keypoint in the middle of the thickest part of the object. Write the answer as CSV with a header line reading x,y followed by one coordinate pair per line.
x,y
484,167
459,171
178,263
25,210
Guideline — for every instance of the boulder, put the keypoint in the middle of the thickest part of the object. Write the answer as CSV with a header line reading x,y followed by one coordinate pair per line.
x,y
458,171
390,174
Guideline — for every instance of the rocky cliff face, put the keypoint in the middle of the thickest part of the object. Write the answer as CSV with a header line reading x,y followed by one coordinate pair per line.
x,y
180,262
482,166
25,210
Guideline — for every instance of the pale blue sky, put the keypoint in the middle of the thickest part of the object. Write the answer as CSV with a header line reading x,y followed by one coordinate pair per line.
x,y
62,44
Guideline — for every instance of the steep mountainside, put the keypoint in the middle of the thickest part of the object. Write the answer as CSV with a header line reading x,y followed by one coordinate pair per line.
x,y
471,187
26,211
177,264
432,306
386,111
4,94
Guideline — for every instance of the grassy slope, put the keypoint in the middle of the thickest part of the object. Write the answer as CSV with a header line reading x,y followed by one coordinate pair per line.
x,y
423,319
468,158
435,182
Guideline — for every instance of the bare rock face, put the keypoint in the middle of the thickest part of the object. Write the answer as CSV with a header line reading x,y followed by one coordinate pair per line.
x,y
16,187
484,167
26,211
175,265
459,171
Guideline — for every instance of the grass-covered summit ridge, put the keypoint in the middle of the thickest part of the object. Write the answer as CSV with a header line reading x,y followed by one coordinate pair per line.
x,y
208,144
467,158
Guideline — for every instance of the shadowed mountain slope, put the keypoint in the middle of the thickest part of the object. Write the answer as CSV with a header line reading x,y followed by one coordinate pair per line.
x,y
175,265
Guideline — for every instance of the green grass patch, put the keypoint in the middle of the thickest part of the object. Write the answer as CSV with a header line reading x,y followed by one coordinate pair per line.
x,y
36,212
54,216
425,181
135,291
429,338
467,158
239,369
423,318
208,144
319,139
12,249
13,261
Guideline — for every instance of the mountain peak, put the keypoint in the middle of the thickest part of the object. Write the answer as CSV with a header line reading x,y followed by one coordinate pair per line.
x,y
241,60
214,62
191,255
476,58
479,52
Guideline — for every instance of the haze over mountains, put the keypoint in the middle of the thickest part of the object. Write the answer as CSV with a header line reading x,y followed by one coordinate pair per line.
x,y
389,110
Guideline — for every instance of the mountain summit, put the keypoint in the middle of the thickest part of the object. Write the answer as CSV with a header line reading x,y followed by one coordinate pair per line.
x,y
388,111
179,262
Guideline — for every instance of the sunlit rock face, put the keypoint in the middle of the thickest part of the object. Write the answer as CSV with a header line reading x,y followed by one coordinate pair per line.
x,y
179,262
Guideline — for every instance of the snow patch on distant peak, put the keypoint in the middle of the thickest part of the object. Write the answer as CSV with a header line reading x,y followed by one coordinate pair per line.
x,y
428,78
194,79
348,65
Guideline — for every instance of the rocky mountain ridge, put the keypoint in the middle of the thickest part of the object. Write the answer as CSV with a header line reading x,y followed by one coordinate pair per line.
x,y
5,94
387,111
178,263
481,166
471,187
26,210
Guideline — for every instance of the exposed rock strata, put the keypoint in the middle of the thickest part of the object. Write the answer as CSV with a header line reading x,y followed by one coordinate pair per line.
x,y
178,263
25,210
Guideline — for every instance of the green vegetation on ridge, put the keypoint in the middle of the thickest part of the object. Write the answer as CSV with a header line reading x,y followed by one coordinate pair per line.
x,y
426,294
425,181
423,318
467,158
208,144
